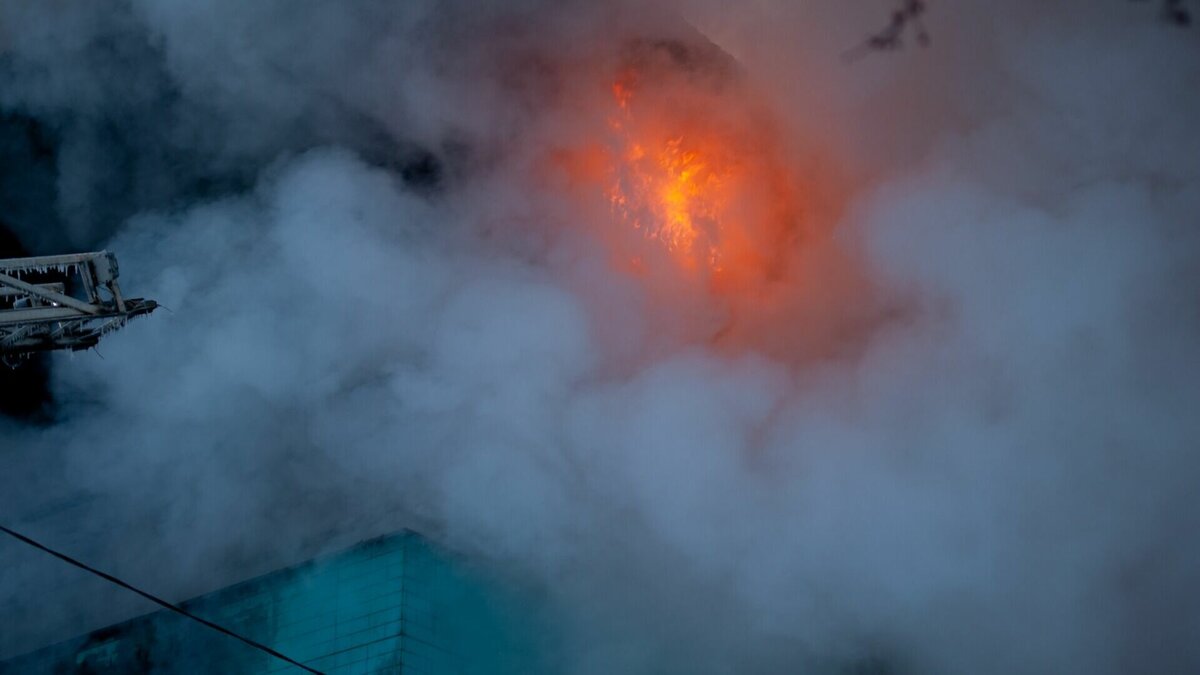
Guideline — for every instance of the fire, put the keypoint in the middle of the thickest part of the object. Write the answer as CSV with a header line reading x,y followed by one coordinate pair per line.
x,y
677,171
684,155
705,191
685,179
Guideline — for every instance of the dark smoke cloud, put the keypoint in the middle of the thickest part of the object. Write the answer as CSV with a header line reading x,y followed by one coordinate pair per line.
x,y
384,317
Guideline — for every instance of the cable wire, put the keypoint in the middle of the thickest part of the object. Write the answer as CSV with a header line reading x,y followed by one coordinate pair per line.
x,y
155,599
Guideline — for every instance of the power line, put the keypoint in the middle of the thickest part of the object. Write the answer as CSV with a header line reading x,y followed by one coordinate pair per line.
x,y
155,599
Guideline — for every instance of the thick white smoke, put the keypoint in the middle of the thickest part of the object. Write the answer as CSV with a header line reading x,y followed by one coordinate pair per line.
x,y
995,475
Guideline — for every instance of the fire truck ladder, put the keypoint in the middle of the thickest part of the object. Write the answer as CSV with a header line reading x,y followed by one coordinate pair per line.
x,y
61,302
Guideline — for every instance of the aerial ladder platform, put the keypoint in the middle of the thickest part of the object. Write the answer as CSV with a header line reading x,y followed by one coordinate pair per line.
x,y
61,302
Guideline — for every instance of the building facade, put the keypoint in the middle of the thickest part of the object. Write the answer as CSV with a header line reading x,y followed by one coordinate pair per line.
x,y
390,605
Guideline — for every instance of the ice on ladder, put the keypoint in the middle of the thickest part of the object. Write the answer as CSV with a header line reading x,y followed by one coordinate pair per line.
x,y
61,302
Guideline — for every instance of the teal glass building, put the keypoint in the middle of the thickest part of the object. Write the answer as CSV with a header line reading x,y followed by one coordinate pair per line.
x,y
390,605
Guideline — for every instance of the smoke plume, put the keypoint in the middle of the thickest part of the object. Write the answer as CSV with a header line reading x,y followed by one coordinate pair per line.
x,y
946,422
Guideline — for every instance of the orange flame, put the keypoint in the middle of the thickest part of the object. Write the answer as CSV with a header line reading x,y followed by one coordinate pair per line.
x,y
687,185
723,212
